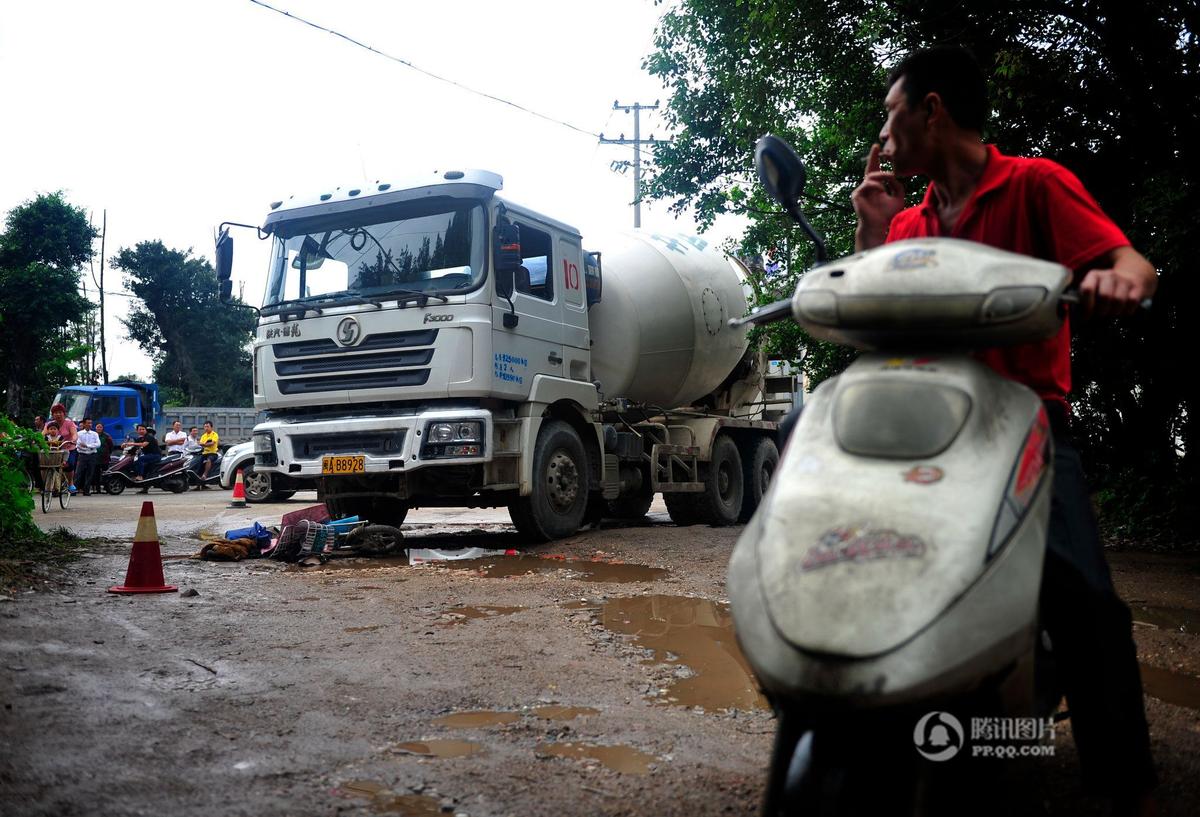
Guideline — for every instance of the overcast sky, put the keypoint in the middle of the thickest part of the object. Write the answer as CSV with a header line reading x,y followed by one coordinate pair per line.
x,y
176,116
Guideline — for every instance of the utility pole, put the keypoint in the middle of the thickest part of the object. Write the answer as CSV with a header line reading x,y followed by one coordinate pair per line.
x,y
103,349
637,141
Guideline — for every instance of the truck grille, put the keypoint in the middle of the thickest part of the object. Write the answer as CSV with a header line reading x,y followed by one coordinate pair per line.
x,y
376,443
321,365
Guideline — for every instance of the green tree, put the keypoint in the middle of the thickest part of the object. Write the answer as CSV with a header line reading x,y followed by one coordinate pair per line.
x,y
198,345
1104,87
44,245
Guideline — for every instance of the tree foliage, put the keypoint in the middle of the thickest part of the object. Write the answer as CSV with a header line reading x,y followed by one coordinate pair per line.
x,y
42,249
1104,87
198,344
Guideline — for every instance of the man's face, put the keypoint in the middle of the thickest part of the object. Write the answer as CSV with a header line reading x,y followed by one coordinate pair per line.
x,y
207,427
193,431
176,426
87,425
141,431
903,136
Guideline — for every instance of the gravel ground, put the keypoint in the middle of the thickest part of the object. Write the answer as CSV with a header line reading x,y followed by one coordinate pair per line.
x,y
602,680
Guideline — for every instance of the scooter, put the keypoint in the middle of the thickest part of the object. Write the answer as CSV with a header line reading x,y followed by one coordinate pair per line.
x,y
886,591
168,473
194,469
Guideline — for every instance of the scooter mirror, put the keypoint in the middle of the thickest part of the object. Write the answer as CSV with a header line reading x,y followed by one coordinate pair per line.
x,y
779,169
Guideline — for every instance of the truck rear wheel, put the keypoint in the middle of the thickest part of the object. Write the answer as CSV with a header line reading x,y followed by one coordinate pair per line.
x,y
556,506
721,500
759,468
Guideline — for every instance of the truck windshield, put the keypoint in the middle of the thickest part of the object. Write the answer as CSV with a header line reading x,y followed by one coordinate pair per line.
x,y
434,247
76,403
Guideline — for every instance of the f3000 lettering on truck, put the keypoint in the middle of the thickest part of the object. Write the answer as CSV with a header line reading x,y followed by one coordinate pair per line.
x,y
438,345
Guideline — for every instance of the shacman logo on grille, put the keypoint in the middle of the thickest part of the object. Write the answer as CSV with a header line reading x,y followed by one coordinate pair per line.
x,y
348,332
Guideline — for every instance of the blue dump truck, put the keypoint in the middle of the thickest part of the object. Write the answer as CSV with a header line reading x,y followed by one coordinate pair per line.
x,y
122,404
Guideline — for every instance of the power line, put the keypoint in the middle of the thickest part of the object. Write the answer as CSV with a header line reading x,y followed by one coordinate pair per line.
x,y
408,64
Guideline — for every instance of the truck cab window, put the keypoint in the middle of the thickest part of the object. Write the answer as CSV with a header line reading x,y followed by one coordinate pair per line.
x,y
535,276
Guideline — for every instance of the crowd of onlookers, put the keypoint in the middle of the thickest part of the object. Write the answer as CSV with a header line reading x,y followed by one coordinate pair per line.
x,y
89,450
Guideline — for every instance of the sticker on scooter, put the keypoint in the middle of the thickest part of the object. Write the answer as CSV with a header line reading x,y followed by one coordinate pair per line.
x,y
913,259
861,545
924,474
916,364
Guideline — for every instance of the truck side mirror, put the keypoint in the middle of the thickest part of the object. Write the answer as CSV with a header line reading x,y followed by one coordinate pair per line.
x,y
224,264
592,278
507,254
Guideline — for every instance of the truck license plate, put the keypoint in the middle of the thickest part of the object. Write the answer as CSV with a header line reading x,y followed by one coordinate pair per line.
x,y
343,465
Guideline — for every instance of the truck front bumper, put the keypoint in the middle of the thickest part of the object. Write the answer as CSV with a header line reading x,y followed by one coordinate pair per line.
x,y
387,444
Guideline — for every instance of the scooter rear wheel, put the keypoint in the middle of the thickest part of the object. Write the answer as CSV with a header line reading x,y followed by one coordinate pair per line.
x,y
113,485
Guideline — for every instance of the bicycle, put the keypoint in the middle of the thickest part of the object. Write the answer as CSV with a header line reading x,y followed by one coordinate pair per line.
x,y
53,481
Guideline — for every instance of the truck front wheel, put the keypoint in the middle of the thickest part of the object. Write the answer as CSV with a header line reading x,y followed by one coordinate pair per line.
x,y
556,506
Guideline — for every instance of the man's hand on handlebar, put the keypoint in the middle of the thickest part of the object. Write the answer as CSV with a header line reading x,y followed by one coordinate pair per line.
x,y
1121,282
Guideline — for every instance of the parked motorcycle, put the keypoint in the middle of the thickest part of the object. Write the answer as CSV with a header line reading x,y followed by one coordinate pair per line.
x,y
886,591
194,468
170,473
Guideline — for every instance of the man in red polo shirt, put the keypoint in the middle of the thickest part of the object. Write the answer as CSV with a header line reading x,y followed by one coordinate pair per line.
x,y
936,106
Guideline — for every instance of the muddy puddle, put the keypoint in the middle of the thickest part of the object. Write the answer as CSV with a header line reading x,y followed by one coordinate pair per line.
x,y
564,713
503,567
438,748
461,615
624,759
476,719
1172,687
1178,619
695,636
385,801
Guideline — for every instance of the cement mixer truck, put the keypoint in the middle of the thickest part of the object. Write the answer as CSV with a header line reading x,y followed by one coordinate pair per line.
x,y
434,344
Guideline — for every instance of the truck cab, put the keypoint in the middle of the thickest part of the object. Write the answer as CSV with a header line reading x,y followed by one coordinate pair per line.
x,y
120,405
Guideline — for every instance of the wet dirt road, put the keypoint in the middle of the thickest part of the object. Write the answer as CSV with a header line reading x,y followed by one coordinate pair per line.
x,y
597,675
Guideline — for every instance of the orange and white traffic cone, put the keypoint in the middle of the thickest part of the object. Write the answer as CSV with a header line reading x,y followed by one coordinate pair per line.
x,y
145,573
238,500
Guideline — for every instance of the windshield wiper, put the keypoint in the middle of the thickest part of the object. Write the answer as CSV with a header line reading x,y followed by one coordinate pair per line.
x,y
348,297
297,306
422,298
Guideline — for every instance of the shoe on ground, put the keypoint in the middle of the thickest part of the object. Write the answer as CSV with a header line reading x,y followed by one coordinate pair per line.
x,y
204,488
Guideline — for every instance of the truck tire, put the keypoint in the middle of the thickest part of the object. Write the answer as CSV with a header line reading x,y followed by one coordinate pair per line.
x,y
378,510
759,467
556,506
721,500
631,507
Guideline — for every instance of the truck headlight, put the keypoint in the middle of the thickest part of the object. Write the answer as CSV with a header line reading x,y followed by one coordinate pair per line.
x,y
264,449
455,438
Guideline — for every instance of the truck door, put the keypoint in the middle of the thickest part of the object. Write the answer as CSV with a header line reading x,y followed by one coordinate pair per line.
x,y
535,345
576,350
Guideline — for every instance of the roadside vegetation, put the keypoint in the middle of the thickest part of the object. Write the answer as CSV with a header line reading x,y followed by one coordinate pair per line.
x,y
1100,87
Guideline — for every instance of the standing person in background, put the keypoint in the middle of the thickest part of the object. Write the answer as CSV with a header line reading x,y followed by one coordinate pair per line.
x,y
88,452
68,432
175,438
208,443
191,450
103,455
